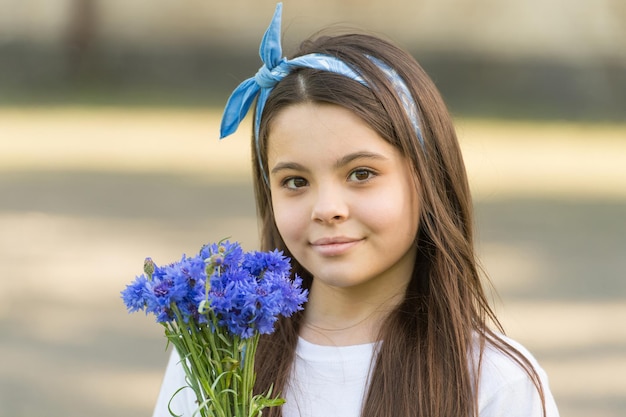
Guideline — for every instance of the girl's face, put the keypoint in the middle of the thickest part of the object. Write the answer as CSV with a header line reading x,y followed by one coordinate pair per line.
x,y
344,199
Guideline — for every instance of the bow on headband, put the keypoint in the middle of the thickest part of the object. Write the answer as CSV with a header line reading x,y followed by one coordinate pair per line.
x,y
276,68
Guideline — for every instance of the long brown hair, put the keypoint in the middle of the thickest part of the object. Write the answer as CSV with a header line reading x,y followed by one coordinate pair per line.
x,y
425,365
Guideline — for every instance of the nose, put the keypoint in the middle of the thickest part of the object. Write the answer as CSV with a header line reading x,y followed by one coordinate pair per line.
x,y
330,205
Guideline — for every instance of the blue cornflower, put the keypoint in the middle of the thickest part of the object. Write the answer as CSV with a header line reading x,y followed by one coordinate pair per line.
x,y
292,295
259,262
167,289
159,294
245,303
225,252
233,300
134,295
246,293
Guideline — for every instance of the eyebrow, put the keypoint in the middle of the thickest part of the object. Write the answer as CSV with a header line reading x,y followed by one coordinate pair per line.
x,y
341,162
281,166
359,155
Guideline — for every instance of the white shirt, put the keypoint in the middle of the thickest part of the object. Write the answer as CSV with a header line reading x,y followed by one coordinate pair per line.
x,y
328,380
331,381
506,390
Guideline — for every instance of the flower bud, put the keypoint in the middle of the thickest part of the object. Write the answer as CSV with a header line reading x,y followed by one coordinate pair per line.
x,y
148,267
217,259
204,307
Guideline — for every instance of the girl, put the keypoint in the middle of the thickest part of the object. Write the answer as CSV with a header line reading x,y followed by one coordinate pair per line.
x,y
359,178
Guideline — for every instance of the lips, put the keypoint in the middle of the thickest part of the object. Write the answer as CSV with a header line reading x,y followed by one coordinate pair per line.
x,y
334,246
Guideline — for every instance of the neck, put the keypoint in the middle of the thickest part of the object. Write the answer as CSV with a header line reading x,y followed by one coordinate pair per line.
x,y
345,316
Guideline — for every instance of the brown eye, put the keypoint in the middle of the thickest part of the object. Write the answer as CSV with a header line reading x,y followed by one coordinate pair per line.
x,y
360,175
295,183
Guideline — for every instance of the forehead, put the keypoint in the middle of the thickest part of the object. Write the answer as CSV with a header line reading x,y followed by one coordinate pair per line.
x,y
312,128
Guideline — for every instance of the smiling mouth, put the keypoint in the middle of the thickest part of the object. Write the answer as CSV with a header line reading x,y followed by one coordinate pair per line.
x,y
334,246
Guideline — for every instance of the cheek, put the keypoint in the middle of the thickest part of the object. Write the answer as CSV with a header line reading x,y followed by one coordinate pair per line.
x,y
396,212
287,219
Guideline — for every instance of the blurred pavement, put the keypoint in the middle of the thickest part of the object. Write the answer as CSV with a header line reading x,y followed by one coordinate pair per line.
x,y
86,195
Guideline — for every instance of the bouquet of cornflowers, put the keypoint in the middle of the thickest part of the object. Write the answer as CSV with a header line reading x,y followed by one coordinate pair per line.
x,y
214,307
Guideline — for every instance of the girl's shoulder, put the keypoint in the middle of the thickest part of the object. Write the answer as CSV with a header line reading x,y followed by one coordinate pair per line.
x,y
507,387
501,364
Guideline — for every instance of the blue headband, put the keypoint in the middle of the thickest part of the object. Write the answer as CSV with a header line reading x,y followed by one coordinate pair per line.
x,y
276,68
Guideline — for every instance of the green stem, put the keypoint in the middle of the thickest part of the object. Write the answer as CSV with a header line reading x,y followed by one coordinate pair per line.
x,y
214,359
248,377
199,376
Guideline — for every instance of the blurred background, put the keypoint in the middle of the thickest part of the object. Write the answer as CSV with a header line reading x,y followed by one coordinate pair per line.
x,y
109,114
